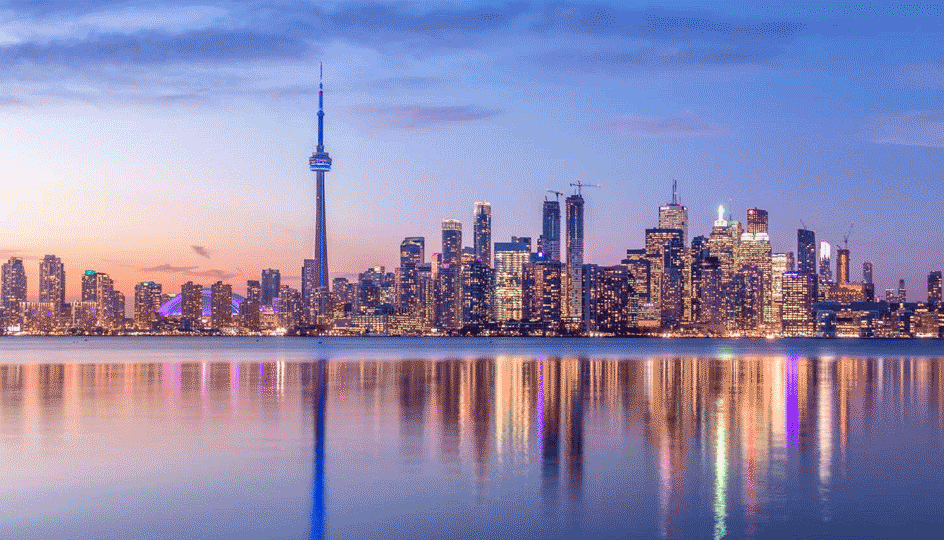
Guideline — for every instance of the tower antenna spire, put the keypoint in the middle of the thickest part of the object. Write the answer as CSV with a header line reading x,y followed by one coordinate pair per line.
x,y
674,191
321,108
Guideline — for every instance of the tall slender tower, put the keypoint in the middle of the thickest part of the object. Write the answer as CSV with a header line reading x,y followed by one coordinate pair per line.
x,y
320,163
574,205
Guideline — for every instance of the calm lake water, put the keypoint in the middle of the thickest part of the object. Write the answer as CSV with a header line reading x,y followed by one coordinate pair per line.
x,y
466,438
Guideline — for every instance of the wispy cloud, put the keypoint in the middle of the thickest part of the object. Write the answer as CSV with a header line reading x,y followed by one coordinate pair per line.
x,y
201,251
169,269
913,128
674,126
215,273
420,116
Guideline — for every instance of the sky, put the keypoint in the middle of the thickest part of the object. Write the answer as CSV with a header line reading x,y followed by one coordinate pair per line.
x,y
168,140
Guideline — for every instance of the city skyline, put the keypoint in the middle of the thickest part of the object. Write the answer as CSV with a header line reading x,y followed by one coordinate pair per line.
x,y
177,175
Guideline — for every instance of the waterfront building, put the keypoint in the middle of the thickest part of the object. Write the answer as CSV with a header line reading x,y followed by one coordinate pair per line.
x,y
510,260
780,265
542,291
574,276
799,293
221,304
270,286
52,282
191,305
482,232
119,303
748,303
610,304
476,287
449,301
290,312
412,255
665,251
84,316
806,251
98,287
147,300
13,284
550,241
39,317
639,266
254,291
755,252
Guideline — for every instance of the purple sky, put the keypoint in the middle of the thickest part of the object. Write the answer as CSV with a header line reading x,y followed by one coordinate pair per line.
x,y
168,140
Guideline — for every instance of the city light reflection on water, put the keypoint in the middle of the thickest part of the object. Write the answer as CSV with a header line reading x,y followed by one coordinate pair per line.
x,y
518,446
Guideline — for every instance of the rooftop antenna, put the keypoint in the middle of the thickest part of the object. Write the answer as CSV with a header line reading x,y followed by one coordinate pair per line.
x,y
675,197
579,185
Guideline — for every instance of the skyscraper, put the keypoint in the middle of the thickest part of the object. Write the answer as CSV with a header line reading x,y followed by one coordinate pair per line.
x,y
842,266
825,259
271,283
934,288
319,163
755,252
482,235
756,221
867,272
674,215
779,266
510,260
221,308
721,245
799,293
550,233
412,255
664,249
574,297
450,270
902,292
13,284
52,282
147,300
806,251
97,287
191,304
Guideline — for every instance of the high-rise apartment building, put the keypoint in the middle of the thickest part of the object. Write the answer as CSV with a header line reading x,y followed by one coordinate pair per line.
x,y
476,291
799,293
542,294
482,233
867,272
412,255
806,251
609,304
902,292
191,305
449,273
147,300
510,261
550,242
665,250
842,266
254,291
52,282
13,284
779,266
221,304
290,312
674,215
270,286
574,241
98,287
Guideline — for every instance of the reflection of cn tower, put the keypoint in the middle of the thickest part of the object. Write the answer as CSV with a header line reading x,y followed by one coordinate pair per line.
x,y
318,472
320,163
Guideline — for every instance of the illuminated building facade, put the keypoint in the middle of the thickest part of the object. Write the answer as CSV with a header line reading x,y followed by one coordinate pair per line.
x,y
842,266
543,302
756,221
270,285
550,242
666,253
221,304
674,215
806,251
610,304
867,272
825,258
412,254
934,289
748,303
482,232
254,291
449,301
722,246
13,284
476,287
574,275
191,305
755,252
147,300
52,282
510,260
98,287
290,313
799,293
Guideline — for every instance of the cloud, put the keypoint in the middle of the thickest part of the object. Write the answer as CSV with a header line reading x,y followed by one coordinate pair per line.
x,y
201,251
156,47
419,116
914,128
221,275
169,269
673,126
655,58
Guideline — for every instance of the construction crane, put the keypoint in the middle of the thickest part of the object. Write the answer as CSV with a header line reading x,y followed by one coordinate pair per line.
x,y
845,239
579,185
558,193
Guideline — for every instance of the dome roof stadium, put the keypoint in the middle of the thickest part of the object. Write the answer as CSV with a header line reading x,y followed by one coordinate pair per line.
x,y
172,307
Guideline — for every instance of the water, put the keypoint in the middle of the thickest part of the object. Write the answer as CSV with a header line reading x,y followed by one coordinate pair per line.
x,y
445,438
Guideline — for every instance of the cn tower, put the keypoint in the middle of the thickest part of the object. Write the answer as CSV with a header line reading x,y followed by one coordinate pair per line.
x,y
320,163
